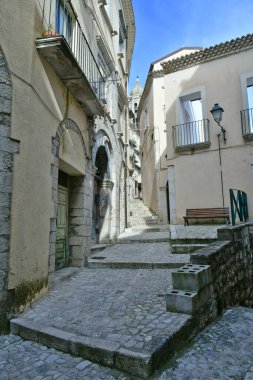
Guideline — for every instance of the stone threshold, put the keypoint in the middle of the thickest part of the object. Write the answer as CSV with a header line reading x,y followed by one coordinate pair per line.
x,y
108,353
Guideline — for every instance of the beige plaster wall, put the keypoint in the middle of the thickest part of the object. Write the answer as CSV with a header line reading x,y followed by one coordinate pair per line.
x,y
197,171
40,103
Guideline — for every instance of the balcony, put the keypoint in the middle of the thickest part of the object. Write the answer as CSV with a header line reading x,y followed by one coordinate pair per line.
x,y
68,52
247,123
194,134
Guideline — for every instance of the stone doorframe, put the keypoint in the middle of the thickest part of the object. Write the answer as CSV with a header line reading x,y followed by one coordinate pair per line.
x,y
8,147
80,203
103,140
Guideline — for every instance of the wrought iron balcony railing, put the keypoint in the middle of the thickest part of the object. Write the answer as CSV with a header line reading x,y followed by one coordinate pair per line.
x,y
192,134
65,46
247,122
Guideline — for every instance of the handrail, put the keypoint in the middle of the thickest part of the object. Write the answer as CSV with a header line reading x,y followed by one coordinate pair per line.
x,y
239,205
191,133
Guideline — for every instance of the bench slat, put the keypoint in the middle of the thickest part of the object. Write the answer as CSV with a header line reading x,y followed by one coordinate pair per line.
x,y
206,213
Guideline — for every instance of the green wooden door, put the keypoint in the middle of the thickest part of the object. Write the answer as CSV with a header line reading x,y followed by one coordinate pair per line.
x,y
61,254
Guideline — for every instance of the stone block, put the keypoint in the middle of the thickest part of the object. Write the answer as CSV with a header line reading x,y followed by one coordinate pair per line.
x,y
136,363
5,91
97,350
191,277
26,329
52,337
77,220
76,240
188,302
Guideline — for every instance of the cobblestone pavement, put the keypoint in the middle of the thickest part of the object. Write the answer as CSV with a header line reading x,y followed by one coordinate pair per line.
x,y
141,253
126,307
222,351
24,360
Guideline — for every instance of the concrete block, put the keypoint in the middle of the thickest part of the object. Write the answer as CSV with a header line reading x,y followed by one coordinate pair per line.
x,y
191,277
188,302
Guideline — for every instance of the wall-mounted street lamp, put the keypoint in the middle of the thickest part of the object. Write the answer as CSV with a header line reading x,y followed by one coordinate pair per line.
x,y
217,112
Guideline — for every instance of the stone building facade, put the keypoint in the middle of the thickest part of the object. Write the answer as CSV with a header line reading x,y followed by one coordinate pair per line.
x,y
134,143
63,130
195,166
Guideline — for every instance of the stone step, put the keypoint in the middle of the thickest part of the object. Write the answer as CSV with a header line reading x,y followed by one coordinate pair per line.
x,y
98,263
144,228
109,353
186,248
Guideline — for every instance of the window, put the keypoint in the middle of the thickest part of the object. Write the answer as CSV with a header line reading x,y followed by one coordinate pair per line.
x,y
108,8
247,113
250,102
146,121
193,129
63,20
122,32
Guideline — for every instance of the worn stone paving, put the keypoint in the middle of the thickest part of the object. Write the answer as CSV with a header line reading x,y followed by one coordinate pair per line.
x,y
156,253
146,236
222,351
123,306
24,360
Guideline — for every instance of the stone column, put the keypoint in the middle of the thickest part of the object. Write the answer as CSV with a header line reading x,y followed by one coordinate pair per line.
x,y
80,217
105,210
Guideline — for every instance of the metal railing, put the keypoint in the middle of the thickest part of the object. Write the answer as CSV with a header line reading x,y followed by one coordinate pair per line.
x,y
191,134
247,121
239,205
59,18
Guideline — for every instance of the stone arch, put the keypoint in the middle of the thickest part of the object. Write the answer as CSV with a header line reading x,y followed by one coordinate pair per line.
x,y
103,140
103,186
77,199
8,148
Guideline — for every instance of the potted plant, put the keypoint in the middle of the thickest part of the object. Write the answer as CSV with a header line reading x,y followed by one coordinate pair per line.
x,y
49,31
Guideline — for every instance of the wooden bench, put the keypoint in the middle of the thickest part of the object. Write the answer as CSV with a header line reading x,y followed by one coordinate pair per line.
x,y
207,213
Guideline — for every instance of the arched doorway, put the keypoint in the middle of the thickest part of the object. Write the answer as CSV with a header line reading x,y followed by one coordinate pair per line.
x,y
69,222
102,197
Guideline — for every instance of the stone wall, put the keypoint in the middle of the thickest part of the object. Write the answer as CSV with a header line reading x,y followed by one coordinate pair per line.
x,y
219,275
231,262
8,148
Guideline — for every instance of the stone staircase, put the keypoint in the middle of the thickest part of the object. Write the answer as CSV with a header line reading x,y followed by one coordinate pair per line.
x,y
141,214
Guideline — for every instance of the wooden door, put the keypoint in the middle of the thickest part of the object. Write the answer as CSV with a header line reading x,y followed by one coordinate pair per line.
x,y
61,254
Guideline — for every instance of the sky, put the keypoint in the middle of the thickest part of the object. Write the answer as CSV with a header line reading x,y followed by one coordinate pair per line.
x,y
163,26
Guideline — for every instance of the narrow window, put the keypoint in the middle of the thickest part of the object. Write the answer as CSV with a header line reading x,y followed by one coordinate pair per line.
x,y
250,105
63,21
192,129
